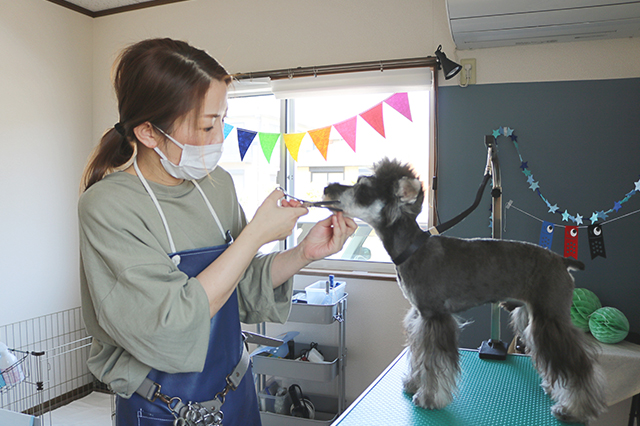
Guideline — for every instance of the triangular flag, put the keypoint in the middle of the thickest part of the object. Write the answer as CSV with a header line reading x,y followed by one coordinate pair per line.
x,y
347,130
400,102
268,142
245,137
227,129
293,141
320,139
373,116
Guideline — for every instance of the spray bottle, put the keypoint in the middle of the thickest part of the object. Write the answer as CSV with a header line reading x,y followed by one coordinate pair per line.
x,y
11,371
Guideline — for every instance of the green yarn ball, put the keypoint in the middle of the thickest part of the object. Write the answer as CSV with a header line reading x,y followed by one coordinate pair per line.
x,y
585,302
609,325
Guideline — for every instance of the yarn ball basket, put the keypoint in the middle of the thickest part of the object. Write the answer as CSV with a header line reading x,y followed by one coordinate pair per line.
x,y
585,302
608,325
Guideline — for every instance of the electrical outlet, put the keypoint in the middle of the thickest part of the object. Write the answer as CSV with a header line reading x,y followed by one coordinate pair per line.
x,y
464,73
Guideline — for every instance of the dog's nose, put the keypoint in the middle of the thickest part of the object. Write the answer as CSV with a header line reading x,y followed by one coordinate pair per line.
x,y
334,189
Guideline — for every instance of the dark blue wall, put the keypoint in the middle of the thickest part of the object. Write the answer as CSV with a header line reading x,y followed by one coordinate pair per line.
x,y
582,143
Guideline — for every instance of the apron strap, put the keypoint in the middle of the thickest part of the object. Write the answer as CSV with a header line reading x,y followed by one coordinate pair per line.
x,y
213,212
225,235
151,390
155,201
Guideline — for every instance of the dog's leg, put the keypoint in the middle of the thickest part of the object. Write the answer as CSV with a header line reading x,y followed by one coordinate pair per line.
x,y
566,363
433,342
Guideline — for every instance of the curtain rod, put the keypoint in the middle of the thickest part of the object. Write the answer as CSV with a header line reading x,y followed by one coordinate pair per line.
x,y
428,61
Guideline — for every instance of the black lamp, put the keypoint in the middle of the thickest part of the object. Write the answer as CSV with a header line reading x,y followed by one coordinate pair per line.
x,y
449,67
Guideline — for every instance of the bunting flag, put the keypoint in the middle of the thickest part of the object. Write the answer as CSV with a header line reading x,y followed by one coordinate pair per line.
x,y
596,241
227,129
245,137
373,116
546,235
293,141
400,102
268,142
571,242
346,129
320,139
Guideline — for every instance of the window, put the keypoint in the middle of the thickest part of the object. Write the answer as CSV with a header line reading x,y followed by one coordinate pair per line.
x,y
257,175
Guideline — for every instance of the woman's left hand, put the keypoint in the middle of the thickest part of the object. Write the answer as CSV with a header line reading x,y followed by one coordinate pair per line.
x,y
327,237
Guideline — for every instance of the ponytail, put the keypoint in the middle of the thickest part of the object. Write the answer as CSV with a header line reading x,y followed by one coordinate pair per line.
x,y
113,151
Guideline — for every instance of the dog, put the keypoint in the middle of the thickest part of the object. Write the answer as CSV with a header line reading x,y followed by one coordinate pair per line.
x,y
442,276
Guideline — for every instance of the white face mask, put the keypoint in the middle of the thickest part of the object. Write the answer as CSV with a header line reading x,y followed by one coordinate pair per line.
x,y
196,160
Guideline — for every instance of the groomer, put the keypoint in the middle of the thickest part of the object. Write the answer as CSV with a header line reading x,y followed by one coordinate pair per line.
x,y
169,265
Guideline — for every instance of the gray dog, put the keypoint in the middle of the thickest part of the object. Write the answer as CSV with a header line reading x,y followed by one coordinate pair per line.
x,y
441,276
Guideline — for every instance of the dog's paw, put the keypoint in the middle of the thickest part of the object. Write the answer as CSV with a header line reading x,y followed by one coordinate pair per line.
x,y
437,402
561,413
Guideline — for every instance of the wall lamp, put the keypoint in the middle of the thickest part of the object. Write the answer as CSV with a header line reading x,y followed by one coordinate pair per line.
x,y
448,67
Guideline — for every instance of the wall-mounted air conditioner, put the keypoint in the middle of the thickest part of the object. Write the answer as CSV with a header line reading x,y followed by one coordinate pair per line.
x,y
494,23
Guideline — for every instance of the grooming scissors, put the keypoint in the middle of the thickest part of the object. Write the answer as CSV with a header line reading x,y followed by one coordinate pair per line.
x,y
327,204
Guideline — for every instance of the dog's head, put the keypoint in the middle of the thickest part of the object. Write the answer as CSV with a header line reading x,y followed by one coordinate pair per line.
x,y
391,192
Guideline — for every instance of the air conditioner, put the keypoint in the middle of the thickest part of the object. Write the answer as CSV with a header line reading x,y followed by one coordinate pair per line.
x,y
494,23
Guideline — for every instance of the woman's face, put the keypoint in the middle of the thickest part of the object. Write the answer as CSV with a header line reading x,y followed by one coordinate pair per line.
x,y
209,128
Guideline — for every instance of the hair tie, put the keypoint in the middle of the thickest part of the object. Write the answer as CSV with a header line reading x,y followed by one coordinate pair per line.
x,y
119,128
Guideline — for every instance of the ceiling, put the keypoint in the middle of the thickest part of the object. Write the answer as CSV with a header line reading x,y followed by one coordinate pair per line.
x,y
96,8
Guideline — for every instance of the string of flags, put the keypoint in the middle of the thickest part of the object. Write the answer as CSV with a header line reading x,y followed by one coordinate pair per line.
x,y
594,230
347,129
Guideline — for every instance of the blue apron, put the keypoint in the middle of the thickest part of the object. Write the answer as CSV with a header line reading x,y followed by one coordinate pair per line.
x,y
240,407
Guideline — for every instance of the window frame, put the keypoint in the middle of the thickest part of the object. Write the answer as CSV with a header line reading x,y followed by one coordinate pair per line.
x,y
286,177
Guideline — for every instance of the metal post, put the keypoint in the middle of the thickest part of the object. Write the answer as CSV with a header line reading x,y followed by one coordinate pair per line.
x,y
494,348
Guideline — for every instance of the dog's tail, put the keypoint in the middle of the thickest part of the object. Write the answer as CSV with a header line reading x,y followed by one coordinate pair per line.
x,y
573,264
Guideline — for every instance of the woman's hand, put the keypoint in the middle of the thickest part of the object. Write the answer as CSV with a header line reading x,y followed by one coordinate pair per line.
x,y
275,218
327,237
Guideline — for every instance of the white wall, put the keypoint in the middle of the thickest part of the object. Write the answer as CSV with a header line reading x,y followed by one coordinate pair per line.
x,y
45,135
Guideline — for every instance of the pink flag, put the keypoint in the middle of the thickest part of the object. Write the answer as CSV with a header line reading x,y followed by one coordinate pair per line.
x,y
347,130
400,102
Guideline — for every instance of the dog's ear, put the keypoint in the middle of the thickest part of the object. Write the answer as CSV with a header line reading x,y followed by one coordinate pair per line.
x,y
408,190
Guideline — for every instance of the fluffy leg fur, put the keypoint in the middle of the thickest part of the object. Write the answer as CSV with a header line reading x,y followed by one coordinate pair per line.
x,y
433,342
567,365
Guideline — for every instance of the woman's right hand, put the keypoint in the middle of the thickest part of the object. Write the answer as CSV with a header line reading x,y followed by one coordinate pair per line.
x,y
275,218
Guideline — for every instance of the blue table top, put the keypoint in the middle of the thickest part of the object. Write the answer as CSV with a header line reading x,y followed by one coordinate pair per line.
x,y
491,393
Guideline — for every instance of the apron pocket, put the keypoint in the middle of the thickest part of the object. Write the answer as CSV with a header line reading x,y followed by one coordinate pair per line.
x,y
149,419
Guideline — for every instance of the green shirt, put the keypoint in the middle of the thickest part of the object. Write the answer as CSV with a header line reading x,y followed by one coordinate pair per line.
x,y
141,310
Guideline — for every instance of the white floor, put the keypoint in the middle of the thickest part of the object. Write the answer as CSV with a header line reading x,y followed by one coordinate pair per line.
x,y
94,409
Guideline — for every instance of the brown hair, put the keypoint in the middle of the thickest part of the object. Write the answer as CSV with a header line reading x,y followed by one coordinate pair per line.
x,y
156,80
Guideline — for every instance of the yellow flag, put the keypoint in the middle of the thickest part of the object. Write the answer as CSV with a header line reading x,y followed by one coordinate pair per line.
x,y
293,141
320,138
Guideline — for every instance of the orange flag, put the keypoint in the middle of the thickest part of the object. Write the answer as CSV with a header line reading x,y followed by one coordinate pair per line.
x,y
320,139
293,141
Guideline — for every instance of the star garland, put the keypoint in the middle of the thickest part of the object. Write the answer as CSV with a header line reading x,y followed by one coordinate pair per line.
x,y
553,208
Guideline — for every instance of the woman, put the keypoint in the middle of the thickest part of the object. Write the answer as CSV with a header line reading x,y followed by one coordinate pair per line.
x,y
163,287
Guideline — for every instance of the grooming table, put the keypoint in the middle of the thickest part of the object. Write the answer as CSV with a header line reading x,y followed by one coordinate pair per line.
x,y
490,393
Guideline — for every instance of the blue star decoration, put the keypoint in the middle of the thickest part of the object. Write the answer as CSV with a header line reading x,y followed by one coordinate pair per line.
x,y
602,215
530,179
617,206
578,219
514,138
497,133
524,165
565,216
527,172
553,208
508,131
534,186
594,218
637,185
